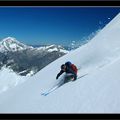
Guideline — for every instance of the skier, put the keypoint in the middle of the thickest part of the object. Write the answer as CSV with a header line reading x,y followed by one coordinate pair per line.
x,y
71,75
70,70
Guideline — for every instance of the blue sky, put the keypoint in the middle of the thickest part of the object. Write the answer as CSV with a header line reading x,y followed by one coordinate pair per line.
x,y
53,25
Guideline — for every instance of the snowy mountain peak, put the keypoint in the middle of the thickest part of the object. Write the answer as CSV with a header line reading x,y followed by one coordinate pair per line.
x,y
11,44
9,39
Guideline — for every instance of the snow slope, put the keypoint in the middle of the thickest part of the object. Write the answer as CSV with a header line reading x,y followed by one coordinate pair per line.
x,y
9,79
97,92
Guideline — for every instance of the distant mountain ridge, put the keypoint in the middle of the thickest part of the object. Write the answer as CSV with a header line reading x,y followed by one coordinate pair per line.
x,y
27,60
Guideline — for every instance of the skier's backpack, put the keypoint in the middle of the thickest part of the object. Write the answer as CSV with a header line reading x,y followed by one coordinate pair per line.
x,y
74,68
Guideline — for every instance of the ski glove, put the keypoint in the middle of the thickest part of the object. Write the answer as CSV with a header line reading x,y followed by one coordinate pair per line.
x,y
56,77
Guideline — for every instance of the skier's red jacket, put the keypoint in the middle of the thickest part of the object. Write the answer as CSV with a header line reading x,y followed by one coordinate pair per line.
x,y
69,69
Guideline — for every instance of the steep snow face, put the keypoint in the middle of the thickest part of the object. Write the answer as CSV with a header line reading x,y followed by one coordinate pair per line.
x,y
102,49
11,44
97,92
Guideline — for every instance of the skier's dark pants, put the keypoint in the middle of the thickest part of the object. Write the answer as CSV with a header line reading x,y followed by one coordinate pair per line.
x,y
68,78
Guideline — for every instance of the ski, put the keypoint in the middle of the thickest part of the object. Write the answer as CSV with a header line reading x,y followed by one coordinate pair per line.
x,y
82,76
53,88
58,85
49,91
